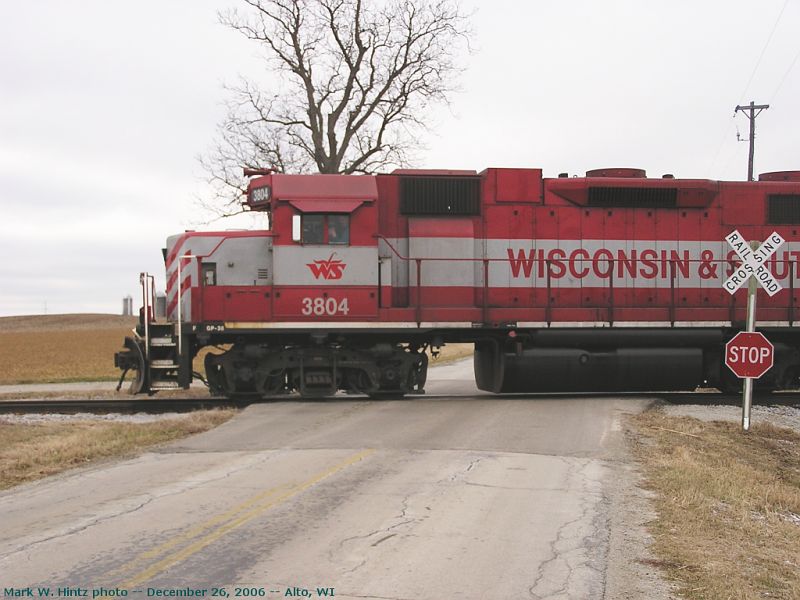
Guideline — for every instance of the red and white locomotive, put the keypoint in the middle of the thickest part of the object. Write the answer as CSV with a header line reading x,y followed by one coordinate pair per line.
x,y
612,281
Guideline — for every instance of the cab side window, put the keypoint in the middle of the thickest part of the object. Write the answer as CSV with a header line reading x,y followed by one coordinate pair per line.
x,y
313,229
339,229
326,229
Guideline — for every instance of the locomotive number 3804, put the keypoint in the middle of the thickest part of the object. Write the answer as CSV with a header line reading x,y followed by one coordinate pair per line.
x,y
324,306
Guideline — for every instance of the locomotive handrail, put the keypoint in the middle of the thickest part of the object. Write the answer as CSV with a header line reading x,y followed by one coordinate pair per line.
x,y
442,258
180,295
147,282
673,270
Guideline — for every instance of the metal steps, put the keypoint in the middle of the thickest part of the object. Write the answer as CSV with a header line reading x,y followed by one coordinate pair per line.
x,y
164,385
163,363
162,358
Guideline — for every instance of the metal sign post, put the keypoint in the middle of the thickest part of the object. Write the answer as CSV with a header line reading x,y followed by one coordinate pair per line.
x,y
753,271
747,389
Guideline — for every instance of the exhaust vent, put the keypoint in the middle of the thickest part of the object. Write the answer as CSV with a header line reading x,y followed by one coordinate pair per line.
x,y
783,209
633,197
459,196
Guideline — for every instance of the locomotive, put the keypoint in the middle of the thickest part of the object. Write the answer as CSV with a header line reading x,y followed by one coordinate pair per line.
x,y
607,282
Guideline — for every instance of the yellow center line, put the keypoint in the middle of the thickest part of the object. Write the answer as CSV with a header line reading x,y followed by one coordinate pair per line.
x,y
196,530
234,522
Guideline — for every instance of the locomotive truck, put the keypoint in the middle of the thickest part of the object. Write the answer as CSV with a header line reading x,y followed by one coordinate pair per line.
x,y
608,282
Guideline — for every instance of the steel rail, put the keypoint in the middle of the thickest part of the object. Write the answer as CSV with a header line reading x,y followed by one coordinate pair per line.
x,y
153,406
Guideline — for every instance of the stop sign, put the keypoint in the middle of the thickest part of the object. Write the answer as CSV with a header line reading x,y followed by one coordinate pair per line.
x,y
749,354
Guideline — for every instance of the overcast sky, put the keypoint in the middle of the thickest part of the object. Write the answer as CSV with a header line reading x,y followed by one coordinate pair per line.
x,y
105,105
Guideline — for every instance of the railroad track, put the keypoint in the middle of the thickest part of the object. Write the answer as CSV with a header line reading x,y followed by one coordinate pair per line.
x,y
151,405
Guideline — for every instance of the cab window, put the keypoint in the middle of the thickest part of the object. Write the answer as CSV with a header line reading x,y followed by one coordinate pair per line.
x,y
338,229
313,229
326,229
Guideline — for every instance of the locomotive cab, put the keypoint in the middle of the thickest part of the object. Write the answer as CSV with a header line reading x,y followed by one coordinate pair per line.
x,y
325,253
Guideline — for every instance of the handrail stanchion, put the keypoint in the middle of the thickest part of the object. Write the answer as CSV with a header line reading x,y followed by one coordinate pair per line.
x,y
672,293
611,292
549,306
144,280
791,294
201,284
419,291
485,291
180,301
152,295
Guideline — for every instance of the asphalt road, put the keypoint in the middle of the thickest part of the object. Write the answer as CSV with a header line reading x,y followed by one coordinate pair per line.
x,y
453,495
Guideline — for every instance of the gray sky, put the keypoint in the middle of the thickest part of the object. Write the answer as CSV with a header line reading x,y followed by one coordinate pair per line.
x,y
104,106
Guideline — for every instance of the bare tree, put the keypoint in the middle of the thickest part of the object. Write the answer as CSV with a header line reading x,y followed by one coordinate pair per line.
x,y
357,77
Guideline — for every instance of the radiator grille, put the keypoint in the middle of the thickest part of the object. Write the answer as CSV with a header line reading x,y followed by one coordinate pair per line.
x,y
633,197
440,196
263,273
783,209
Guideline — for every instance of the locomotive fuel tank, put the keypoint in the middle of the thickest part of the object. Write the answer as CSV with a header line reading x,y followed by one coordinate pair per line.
x,y
544,369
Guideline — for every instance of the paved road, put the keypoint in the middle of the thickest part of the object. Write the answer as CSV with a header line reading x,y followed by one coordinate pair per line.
x,y
438,497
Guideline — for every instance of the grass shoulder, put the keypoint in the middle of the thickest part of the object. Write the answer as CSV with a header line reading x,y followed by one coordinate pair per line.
x,y
728,505
30,451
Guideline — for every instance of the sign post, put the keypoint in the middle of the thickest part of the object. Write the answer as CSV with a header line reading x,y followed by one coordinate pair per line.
x,y
754,272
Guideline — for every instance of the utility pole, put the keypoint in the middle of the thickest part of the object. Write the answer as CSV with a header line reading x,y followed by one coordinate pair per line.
x,y
751,109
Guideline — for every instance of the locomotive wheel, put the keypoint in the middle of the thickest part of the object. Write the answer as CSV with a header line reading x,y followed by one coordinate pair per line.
x,y
132,359
415,379
274,383
359,382
215,376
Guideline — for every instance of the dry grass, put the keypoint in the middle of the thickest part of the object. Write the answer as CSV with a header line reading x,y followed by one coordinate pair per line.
x,y
728,505
32,451
58,348
451,353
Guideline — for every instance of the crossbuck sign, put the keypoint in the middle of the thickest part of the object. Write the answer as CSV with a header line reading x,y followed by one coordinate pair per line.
x,y
753,263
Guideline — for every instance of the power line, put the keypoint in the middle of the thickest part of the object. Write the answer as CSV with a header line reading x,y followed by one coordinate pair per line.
x,y
785,75
750,80
722,143
764,49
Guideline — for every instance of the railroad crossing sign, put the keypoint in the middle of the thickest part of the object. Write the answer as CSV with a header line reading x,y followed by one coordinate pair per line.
x,y
753,263
749,354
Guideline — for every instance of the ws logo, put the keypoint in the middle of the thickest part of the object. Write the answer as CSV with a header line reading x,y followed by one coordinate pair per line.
x,y
327,269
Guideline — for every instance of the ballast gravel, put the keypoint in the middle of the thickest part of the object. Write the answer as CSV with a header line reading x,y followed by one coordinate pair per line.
x,y
781,416
33,418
